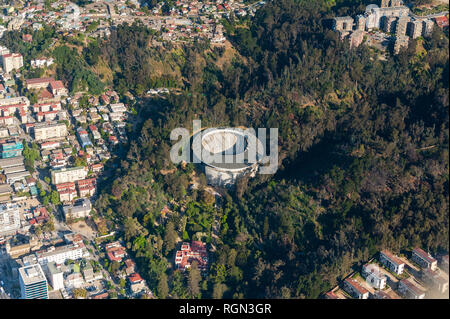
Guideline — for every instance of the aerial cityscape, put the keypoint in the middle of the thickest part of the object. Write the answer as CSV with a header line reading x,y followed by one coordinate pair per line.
x,y
349,103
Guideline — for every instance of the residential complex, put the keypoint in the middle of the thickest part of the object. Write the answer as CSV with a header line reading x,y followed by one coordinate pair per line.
x,y
391,261
388,276
391,17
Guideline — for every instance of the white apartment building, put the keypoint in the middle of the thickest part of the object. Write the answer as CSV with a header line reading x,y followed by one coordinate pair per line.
x,y
410,290
9,219
117,107
15,101
43,131
373,276
394,263
424,259
66,175
12,61
55,276
60,254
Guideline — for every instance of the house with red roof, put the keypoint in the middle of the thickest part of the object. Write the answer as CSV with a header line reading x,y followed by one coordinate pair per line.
x,y
115,251
190,252
442,22
137,284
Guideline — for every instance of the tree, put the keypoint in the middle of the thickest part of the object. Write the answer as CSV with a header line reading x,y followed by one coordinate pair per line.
x,y
54,198
79,293
170,238
114,267
163,287
218,290
194,279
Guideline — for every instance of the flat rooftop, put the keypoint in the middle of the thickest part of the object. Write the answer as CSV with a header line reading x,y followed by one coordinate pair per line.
x,y
31,274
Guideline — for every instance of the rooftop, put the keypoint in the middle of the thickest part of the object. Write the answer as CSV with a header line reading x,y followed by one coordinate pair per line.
x,y
31,274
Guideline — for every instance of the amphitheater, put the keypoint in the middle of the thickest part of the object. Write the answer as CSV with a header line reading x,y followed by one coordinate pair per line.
x,y
230,154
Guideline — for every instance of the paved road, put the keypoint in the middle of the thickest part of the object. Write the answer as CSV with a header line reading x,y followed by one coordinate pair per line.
x,y
430,16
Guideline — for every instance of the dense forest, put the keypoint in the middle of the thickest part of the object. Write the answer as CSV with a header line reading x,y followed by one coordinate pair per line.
x,y
363,154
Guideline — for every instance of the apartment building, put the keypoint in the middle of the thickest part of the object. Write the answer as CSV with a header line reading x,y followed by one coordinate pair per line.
x,y
9,219
12,61
38,83
373,276
436,279
80,209
423,259
44,131
55,275
355,289
391,261
409,290
60,254
66,175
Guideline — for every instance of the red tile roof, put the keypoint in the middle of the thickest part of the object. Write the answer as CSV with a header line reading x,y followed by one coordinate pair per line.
x,y
56,85
355,284
135,278
393,258
39,80
424,255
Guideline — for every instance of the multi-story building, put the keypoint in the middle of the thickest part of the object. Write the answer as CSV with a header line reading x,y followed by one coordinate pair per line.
x,y
389,24
11,149
137,284
427,27
410,290
12,61
9,219
83,137
435,279
444,263
80,209
66,191
66,175
115,251
38,83
33,284
60,254
401,26
86,187
414,29
360,22
373,276
57,88
423,259
401,41
391,261
55,275
117,107
343,24
353,287
44,131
